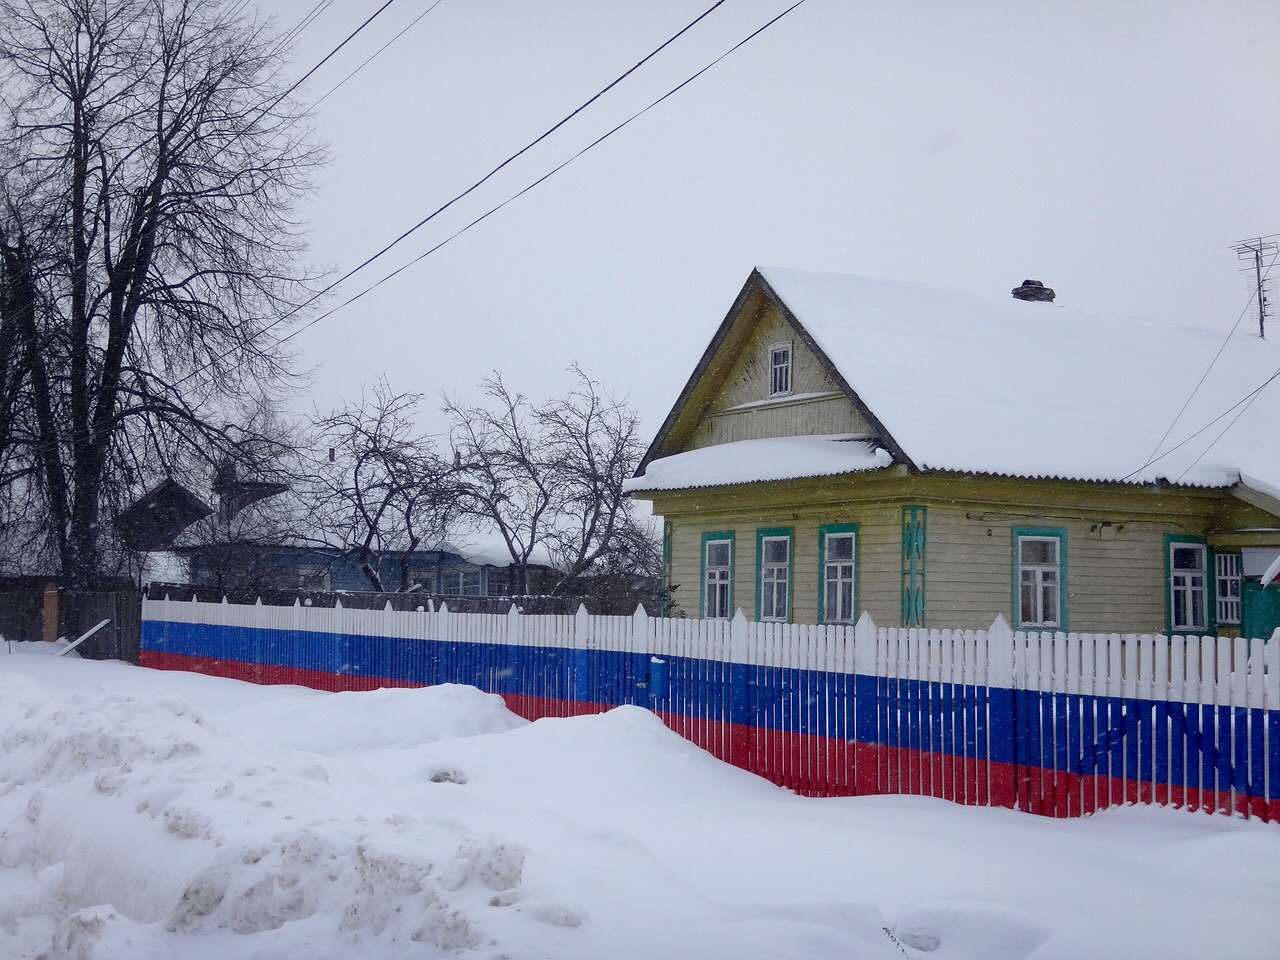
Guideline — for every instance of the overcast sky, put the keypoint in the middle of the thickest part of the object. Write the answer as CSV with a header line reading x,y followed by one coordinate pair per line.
x,y
1113,150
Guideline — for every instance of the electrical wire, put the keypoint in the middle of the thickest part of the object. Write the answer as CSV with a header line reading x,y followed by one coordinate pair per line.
x,y
1247,400
492,210
328,56
1204,376
477,184
412,23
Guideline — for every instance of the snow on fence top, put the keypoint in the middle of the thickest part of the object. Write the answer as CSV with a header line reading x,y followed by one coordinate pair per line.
x,y
998,385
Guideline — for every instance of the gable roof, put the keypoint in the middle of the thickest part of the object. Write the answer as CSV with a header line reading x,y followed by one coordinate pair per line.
x,y
974,384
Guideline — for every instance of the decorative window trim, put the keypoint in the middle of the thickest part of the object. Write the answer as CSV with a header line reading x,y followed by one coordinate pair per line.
x,y
1040,533
1172,540
718,536
775,533
823,531
790,368
667,532
914,575
1222,604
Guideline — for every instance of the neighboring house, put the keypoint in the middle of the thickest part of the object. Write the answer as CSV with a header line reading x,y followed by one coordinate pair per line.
x,y
472,568
934,457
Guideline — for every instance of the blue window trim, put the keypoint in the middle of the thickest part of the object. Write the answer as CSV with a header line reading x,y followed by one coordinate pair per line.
x,y
789,533
823,530
713,536
1210,585
1060,535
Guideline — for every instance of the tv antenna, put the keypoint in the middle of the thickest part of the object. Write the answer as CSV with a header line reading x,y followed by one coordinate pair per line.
x,y
1259,250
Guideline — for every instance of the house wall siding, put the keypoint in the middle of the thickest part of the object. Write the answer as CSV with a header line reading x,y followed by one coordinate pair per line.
x,y
748,382
1115,584
879,545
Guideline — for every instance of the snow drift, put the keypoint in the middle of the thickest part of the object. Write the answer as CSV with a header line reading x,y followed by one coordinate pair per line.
x,y
149,815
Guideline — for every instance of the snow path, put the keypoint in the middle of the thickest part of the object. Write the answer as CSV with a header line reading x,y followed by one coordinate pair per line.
x,y
151,814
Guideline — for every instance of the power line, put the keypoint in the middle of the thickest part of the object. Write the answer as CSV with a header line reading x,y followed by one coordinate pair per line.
x,y
484,179
546,176
1257,393
1247,400
412,23
328,56
312,15
1203,377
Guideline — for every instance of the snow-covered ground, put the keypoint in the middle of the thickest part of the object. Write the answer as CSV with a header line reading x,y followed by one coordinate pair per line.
x,y
163,815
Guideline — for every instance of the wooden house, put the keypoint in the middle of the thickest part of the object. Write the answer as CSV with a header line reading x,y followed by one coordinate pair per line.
x,y
937,458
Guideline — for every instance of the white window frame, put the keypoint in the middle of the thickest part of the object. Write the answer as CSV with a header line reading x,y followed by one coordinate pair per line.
x,y
1228,569
717,582
838,565
1188,589
775,582
1037,619
787,369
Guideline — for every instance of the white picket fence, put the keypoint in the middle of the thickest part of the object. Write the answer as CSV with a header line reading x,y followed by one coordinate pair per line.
x,y
1057,723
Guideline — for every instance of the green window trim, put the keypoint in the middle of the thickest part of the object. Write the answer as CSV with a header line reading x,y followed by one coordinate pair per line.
x,y
1059,534
1210,585
715,536
823,530
914,566
789,533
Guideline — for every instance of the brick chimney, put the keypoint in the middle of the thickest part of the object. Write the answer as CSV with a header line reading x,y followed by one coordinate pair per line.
x,y
1033,290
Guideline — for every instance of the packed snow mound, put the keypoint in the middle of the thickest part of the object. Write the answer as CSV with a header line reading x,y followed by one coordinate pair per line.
x,y
135,827
144,807
626,750
377,720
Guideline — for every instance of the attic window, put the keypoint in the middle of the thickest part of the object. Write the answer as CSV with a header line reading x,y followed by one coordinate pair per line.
x,y
780,369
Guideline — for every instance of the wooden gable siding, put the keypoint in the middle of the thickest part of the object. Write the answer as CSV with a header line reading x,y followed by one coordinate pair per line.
x,y
1113,584
820,408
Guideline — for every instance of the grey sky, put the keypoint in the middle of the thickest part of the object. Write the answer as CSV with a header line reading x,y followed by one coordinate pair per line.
x,y
1112,150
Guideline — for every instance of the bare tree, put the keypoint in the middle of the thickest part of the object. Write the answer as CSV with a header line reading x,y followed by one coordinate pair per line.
x,y
151,151
592,440
507,477
551,476
382,490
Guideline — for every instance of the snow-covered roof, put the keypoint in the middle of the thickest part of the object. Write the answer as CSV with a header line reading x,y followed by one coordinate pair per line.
x,y
487,548
990,384
755,461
